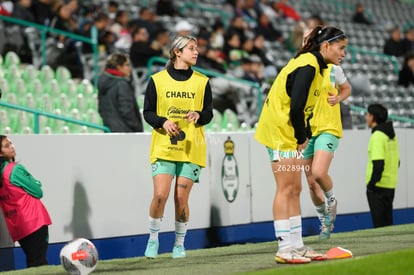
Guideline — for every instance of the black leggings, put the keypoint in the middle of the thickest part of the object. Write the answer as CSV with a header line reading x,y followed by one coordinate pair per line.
x,y
35,247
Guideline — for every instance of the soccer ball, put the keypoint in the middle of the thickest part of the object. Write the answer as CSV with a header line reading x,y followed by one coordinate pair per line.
x,y
79,257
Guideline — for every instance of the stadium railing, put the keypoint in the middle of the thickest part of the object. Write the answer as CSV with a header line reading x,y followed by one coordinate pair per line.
x,y
44,30
363,111
37,113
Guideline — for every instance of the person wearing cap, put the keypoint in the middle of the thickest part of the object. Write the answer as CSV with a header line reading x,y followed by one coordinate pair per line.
x,y
183,28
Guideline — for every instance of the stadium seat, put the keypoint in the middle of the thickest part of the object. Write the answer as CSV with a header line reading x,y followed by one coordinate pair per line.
x,y
47,130
29,73
7,130
11,58
46,74
18,87
12,73
86,87
62,74
230,121
35,87
215,123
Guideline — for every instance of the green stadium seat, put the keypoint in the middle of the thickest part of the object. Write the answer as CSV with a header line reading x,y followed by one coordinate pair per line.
x,y
46,74
53,88
85,87
63,74
4,118
11,98
92,116
29,73
70,87
7,130
64,103
11,58
12,73
35,87
18,87
46,130
4,85
215,123
230,121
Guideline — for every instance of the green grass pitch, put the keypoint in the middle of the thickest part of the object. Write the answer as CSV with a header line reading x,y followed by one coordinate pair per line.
x,y
388,250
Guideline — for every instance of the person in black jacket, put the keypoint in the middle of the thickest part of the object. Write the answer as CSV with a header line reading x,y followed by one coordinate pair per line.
x,y
406,74
117,104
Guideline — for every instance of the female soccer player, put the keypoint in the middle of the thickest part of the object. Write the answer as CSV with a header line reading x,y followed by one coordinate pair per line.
x,y
284,129
178,102
326,128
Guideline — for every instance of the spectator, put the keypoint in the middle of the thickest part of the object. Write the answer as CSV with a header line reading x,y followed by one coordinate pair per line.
x,y
113,8
117,104
142,49
359,15
266,28
408,40
285,10
394,45
166,7
239,25
120,28
210,59
253,69
383,163
295,40
64,52
233,7
183,28
16,39
161,41
42,11
101,22
268,10
251,12
149,20
217,35
26,217
406,74
21,10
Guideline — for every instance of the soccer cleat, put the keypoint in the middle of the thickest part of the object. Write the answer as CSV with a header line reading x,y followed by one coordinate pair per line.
x,y
311,254
325,232
290,256
151,252
178,252
331,209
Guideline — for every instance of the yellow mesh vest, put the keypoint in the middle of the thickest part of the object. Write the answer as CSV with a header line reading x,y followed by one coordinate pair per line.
x,y
174,100
327,118
274,128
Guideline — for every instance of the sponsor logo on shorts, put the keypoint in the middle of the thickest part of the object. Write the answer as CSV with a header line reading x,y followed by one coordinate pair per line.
x,y
154,166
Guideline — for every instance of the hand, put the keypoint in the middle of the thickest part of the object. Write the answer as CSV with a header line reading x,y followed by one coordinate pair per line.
x,y
301,147
171,128
333,99
192,116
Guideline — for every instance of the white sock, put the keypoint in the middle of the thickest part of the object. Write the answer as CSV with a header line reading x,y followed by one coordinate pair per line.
x,y
296,231
180,232
154,228
330,196
282,233
320,210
